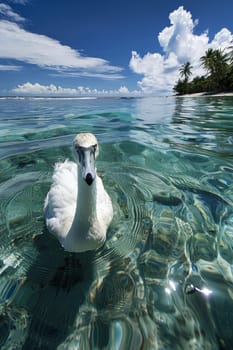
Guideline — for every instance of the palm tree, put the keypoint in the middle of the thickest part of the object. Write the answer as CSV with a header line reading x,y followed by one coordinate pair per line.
x,y
215,62
185,71
230,56
230,53
230,70
207,61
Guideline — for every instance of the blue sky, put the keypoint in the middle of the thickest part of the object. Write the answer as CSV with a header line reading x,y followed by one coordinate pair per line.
x,y
106,47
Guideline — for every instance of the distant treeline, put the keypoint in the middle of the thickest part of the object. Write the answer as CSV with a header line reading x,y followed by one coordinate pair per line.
x,y
218,78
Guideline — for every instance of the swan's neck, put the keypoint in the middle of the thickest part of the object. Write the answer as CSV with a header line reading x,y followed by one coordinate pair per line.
x,y
85,215
86,199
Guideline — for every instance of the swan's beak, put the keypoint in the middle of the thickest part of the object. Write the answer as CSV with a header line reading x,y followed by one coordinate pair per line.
x,y
88,165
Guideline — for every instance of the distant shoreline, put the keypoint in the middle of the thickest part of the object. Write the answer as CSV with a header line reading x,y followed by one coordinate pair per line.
x,y
206,94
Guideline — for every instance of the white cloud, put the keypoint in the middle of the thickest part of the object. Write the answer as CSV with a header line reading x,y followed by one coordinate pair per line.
x,y
86,74
21,2
124,90
6,11
37,89
180,39
19,44
222,39
9,67
179,44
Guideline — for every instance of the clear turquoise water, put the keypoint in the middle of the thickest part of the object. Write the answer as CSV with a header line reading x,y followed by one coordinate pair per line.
x,y
164,278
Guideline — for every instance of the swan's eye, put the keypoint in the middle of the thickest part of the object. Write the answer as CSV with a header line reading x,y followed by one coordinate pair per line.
x,y
95,147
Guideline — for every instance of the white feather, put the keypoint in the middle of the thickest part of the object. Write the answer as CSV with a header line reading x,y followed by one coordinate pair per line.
x,y
60,202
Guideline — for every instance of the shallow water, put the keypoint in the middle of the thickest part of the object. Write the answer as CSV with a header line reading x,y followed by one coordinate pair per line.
x,y
164,278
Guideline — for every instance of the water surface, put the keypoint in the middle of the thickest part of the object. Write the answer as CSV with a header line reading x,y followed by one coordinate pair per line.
x,y
163,279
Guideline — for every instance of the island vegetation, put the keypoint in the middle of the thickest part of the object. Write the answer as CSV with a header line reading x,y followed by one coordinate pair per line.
x,y
219,74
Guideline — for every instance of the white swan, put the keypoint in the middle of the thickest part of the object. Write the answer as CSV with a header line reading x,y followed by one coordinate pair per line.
x,y
77,208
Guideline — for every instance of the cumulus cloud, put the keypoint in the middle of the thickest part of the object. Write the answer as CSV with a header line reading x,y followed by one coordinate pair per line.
x,y
21,45
36,89
223,39
6,11
179,44
124,90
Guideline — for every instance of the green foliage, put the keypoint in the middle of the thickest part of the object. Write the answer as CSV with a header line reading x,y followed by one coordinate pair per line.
x,y
185,71
180,87
219,77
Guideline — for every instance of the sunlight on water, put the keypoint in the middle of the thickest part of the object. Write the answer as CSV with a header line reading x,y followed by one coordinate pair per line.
x,y
163,279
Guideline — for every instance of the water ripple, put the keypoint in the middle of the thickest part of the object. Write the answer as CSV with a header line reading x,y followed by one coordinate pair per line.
x,y
163,279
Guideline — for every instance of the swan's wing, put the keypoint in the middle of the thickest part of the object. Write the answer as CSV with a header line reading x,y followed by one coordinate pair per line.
x,y
60,202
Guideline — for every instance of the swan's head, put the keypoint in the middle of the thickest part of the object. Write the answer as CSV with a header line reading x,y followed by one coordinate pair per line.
x,y
85,151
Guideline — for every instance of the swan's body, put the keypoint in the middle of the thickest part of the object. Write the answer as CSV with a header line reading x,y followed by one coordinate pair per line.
x,y
77,208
